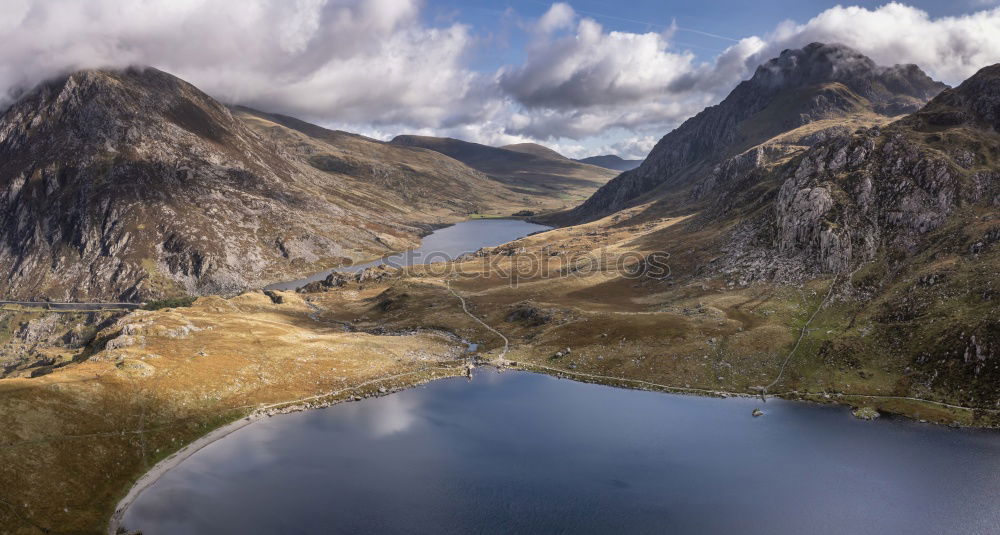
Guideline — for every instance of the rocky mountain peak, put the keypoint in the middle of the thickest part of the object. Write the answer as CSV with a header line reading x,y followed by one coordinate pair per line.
x,y
107,108
802,86
812,64
892,90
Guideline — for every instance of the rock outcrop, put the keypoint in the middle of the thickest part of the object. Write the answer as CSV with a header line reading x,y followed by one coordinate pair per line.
x,y
36,342
850,198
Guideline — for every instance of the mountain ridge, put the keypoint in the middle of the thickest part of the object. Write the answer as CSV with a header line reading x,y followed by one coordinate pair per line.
x,y
534,148
797,88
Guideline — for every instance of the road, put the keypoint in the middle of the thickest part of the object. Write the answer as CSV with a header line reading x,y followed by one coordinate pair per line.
x,y
82,307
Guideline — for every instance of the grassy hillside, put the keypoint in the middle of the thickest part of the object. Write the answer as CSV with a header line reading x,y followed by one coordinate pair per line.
x,y
532,171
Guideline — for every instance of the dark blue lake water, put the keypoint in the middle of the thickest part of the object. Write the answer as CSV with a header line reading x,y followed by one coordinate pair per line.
x,y
524,453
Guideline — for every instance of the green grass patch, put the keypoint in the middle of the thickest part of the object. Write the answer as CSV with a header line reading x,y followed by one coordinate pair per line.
x,y
171,302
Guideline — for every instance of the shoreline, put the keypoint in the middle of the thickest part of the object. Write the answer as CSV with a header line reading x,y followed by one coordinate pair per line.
x,y
164,466
170,462
426,229
826,398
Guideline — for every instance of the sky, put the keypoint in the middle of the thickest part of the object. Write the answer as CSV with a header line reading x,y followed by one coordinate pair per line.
x,y
584,77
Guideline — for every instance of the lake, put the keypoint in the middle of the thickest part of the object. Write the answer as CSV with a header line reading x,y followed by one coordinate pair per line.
x,y
442,244
517,452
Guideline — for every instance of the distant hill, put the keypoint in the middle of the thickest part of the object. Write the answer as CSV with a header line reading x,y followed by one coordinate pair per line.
x,y
542,175
536,149
612,161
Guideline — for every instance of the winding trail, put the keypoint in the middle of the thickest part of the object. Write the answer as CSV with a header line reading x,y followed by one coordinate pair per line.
x,y
805,331
802,335
78,307
506,342
529,365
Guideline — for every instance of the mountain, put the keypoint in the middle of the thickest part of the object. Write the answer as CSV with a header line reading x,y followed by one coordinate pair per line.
x,y
900,218
820,248
133,184
611,161
537,173
419,181
802,92
880,194
833,262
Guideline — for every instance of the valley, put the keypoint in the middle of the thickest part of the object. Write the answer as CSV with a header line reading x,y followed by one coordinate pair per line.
x,y
826,233
134,186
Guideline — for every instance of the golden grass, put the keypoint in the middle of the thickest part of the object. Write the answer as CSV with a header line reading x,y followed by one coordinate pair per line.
x,y
72,442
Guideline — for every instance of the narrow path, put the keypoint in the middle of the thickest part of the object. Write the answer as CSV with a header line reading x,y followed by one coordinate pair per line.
x,y
805,329
939,403
506,342
635,381
83,307
802,335
352,387
717,392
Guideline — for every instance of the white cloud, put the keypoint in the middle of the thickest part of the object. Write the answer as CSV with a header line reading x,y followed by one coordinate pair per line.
x,y
629,147
588,67
583,81
365,61
632,148
949,48
559,16
378,67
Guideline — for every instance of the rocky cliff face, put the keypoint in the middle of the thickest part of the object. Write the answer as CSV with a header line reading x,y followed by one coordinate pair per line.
x,y
855,196
798,87
899,220
130,185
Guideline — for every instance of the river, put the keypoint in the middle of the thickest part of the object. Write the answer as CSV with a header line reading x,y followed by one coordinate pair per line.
x,y
443,244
